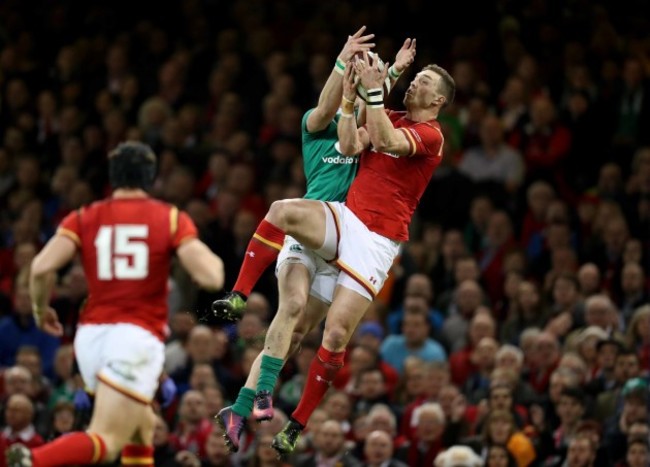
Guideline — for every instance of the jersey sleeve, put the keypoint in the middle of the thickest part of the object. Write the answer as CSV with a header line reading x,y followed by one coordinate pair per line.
x,y
70,227
182,227
424,139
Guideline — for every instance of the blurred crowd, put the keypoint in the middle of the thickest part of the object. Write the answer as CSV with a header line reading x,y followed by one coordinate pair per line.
x,y
517,319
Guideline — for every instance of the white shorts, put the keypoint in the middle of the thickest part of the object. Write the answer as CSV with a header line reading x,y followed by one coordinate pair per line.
x,y
323,275
364,257
123,356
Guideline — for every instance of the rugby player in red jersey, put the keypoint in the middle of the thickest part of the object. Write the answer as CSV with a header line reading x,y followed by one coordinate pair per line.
x,y
126,243
400,151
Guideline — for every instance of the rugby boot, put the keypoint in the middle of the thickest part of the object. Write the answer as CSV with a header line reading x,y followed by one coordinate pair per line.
x,y
286,440
230,307
18,456
232,425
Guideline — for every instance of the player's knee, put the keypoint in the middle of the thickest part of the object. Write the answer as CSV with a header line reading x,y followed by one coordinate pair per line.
x,y
284,213
336,337
293,306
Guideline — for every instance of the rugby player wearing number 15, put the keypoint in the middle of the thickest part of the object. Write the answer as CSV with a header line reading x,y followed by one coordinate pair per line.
x,y
126,243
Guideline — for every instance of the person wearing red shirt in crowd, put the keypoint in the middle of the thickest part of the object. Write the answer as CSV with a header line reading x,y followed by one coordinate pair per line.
x,y
460,362
19,415
429,424
193,427
544,141
126,243
437,387
547,357
499,240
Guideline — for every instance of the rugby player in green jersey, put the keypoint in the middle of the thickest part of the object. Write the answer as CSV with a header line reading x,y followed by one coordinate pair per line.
x,y
306,281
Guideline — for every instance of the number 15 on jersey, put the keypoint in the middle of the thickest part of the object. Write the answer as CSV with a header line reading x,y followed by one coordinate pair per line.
x,y
122,252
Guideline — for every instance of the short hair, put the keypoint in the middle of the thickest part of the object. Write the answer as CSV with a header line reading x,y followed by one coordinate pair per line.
x,y
582,435
29,349
429,407
17,370
529,333
446,85
575,393
63,406
383,408
638,440
373,369
511,350
600,299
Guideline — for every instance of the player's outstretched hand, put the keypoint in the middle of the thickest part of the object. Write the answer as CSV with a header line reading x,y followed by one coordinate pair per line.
x,y
405,56
356,43
49,322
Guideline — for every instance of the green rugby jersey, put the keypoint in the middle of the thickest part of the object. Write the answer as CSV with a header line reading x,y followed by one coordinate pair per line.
x,y
329,173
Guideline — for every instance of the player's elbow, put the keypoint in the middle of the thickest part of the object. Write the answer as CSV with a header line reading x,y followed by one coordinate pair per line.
x,y
382,144
38,269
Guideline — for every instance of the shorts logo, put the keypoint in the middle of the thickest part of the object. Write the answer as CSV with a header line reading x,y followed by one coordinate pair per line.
x,y
123,369
295,248
372,280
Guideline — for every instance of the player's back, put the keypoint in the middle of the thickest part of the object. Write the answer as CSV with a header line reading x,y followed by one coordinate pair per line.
x,y
126,248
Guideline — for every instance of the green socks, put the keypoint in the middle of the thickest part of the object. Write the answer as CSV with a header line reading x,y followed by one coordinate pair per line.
x,y
244,404
269,372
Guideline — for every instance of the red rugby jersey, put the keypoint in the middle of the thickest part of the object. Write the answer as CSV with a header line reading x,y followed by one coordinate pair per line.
x,y
388,188
126,247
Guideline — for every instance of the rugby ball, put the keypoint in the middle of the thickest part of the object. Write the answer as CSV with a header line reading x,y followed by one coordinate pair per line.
x,y
362,92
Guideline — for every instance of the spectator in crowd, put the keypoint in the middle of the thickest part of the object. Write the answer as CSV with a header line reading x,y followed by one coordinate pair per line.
x,y
414,340
193,426
581,452
429,425
19,329
328,442
19,415
379,450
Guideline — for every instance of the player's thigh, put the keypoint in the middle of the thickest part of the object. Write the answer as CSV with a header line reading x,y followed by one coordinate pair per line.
x,y
89,344
303,219
133,361
116,417
365,257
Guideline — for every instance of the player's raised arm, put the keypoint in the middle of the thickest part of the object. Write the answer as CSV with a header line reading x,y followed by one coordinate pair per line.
x,y
352,140
204,266
403,59
330,96
381,132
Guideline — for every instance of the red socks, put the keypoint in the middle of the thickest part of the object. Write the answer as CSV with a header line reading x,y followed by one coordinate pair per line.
x,y
322,371
262,250
71,449
134,454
